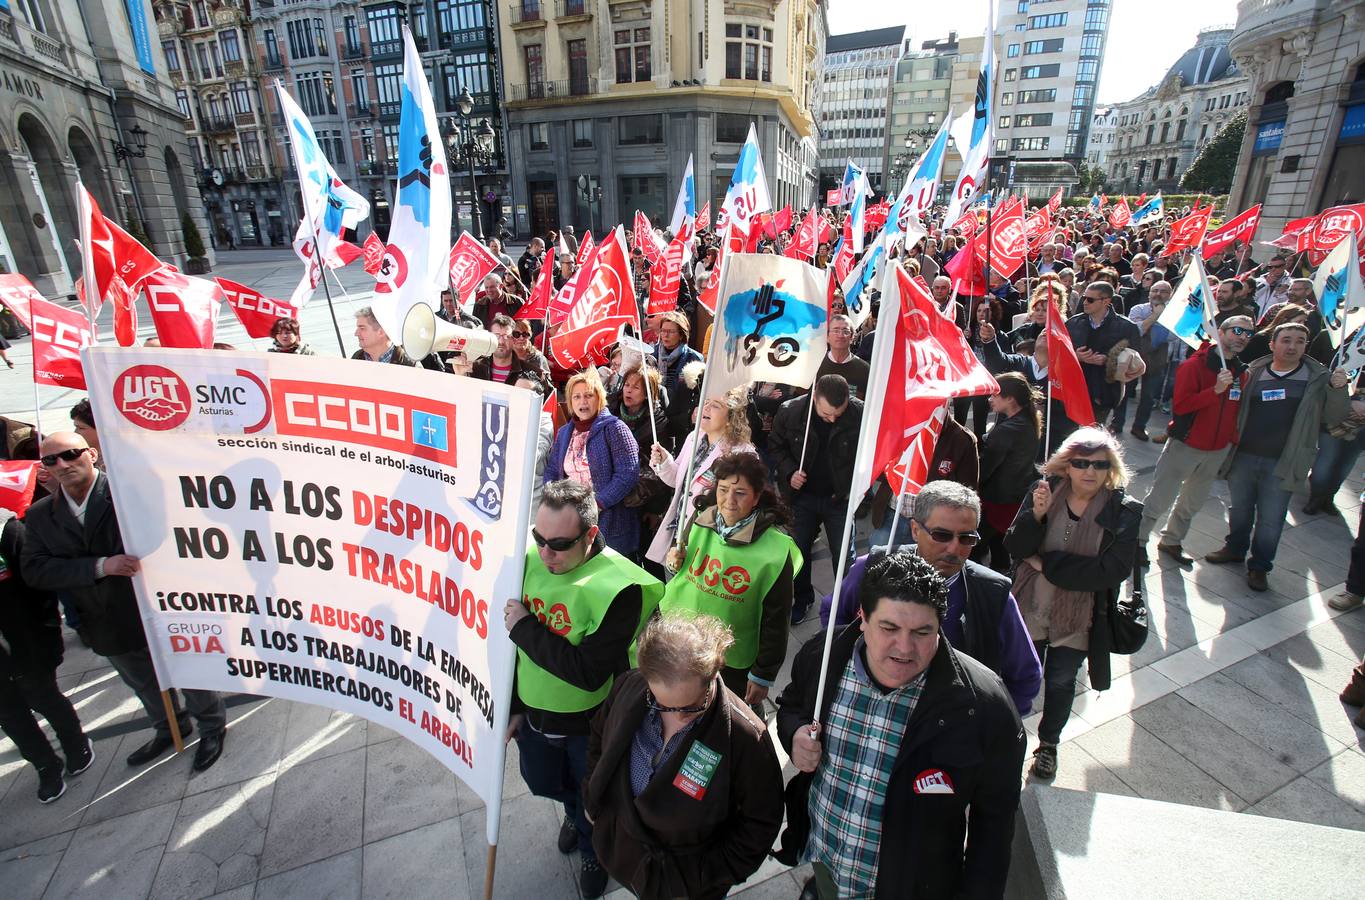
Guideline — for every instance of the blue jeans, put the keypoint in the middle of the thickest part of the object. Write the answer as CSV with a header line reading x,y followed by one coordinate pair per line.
x,y
882,534
1152,384
1259,501
809,515
1333,463
555,768
1060,667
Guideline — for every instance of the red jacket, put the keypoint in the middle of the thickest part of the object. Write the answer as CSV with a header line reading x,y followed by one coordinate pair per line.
x,y
1201,418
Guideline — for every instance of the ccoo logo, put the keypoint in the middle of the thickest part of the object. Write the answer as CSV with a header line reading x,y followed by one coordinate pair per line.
x,y
152,397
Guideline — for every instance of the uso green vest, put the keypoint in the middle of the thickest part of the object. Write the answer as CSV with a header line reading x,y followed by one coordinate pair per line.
x,y
729,581
572,605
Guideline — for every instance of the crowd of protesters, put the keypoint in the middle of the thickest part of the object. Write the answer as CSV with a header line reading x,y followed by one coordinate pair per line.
x,y
979,601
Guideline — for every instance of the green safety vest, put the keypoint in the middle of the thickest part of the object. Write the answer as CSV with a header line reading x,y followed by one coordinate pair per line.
x,y
572,605
729,581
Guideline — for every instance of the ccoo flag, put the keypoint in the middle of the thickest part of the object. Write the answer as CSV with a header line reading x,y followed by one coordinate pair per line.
x,y
1341,297
1189,314
419,236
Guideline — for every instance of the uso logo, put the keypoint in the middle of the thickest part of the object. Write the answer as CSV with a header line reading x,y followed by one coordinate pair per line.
x,y
152,397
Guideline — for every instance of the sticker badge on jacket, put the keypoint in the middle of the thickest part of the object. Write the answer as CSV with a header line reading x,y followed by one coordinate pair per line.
x,y
933,781
697,770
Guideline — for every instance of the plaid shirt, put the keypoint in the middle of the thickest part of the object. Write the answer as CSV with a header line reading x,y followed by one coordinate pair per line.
x,y
862,735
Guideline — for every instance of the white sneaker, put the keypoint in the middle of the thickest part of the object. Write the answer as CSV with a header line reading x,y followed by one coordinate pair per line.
x,y
1344,601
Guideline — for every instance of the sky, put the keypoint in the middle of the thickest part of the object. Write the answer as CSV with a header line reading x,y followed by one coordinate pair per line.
x,y
1145,36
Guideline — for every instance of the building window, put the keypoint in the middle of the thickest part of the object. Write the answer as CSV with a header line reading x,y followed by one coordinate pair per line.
x,y
202,51
535,64
333,147
645,193
1087,70
1053,45
1052,20
1032,143
1048,71
748,52
467,71
384,26
582,133
201,14
252,146
367,145
577,51
640,130
1012,51
182,100
387,88
272,47
360,90
539,135
1011,74
172,55
1023,7
1006,99
316,93
1090,43
390,133
1047,96
1096,18
1001,145
307,38
241,98
232,49
1032,120
1005,122
352,31
632,54
731,128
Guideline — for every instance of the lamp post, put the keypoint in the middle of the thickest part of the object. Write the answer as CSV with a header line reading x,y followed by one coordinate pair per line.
x,y
470,146
590,193
122,151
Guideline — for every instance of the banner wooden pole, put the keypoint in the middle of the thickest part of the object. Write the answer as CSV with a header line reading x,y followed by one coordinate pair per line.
x,y
490,871
173,722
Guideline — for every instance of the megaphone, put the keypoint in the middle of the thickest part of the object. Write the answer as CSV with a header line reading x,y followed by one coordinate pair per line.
x,y
423,332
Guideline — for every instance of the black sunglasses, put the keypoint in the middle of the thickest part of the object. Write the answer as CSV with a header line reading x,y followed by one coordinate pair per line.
x,y
1099,465
558,545
71,455
1089,299
653,704
944,536
1240,331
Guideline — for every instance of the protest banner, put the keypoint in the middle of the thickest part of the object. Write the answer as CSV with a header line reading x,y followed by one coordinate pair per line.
x,y
335,536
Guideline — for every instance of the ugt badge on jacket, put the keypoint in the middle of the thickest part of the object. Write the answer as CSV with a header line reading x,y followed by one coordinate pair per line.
x,y
697,770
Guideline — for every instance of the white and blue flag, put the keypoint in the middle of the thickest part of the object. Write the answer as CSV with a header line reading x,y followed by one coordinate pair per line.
x,y
1189,314
1151,211
1095,201
747,195
1341,296
857,213
975,135
415,259
329,206
921,187
685,207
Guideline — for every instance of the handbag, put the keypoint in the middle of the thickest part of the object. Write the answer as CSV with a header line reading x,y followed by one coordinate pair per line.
x,y
1128,620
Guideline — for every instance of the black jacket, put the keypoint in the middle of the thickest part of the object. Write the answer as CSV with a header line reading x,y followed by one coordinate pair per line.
x,y
789,433
1104,574
965,726
1007,454
1114,328
28,616
60,555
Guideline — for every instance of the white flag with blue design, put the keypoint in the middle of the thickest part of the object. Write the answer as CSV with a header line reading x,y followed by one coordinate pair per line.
x,y
419,237
1338,285
849,186
748,192
857,214
685,207
921,187
1190,311
1154,210
975,135
329,206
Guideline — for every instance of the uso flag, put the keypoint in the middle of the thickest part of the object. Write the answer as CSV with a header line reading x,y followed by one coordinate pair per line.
x,y
1341,297
1189,315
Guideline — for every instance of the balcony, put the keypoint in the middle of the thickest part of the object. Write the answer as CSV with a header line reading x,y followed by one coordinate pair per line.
x,y
360,111
1271,20
573,10
217,124
247,118
552,91
235,68
168,27
273,62
372,168
390,110
465,37
385,49
352,51
526,14
258,173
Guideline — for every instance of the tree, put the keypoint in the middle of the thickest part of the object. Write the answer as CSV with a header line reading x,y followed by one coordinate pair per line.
x,y
1213,168
194,243
1090,179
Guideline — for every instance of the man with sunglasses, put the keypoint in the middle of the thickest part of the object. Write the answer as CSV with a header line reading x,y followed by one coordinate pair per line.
x,y
1273,286
582,606
1094,332
74,546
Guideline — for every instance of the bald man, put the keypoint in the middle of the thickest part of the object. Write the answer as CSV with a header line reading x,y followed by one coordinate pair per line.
x,y
74,546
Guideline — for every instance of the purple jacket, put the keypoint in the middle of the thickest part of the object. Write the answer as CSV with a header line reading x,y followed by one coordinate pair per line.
x,y
614,460
1005,648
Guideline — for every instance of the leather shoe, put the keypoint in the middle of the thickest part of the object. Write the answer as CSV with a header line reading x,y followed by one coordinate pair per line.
x,y
1175,552
1158,439
1312,507
1140,434
158,745
210,748
1224,555
1256,580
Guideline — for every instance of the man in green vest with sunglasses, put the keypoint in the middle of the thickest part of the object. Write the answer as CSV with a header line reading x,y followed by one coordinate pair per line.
x,y
582,606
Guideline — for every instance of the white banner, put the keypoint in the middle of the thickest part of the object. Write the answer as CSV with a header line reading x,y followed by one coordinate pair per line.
x,y
320,530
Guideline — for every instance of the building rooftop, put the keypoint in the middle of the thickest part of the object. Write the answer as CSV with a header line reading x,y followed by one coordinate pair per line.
x,y
1208,60
865,40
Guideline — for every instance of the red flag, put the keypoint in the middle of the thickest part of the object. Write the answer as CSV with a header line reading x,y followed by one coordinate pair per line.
x,y
1054,202
17,293
470,263
645,239
568,295
843,260
1240,228
806,241
1188,232
968,224
911,471
606,304
254,310
343,254
1038,229
114,264
537,306
58,336
374,254
1331,227
1120,215
708,295
782,220
760,223
184,308
1064,373
876,214
833,197
966,270
704,217
665,278
1141,200
18,479
1008,243
1295,235
585,249
1104,200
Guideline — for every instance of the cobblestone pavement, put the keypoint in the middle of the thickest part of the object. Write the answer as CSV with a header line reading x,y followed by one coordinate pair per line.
x,y
1232,704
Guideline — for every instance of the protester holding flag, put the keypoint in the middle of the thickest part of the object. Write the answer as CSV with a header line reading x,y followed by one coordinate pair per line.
x,y
1290,398
284,338
1095,332
528,266
583,605
597,449
1075,539
739,525
662,827
639,403
1155,348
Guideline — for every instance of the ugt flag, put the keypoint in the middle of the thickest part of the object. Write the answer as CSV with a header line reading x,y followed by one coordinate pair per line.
x,y
1188,232
419,238
1189,314
1341,297
974,133
114,264
18,481
1065,379
747,195
770,323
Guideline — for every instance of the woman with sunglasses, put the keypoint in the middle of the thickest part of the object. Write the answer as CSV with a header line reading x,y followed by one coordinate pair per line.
x,y
284,335
683,784
1008,452
737,564
1075,539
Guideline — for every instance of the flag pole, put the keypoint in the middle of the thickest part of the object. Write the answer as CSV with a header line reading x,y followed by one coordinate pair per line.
x,y
805,435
